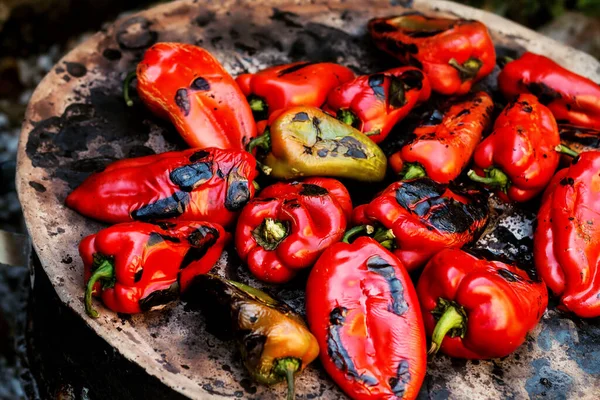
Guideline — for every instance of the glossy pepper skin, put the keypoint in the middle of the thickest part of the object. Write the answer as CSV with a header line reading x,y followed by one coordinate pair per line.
x,y
453,53
478,309
187,85
136,266
443,145
362,307
373,104
572,98
274,342
422,217
305,141
567,237
289,225
521,155
298,84
192,185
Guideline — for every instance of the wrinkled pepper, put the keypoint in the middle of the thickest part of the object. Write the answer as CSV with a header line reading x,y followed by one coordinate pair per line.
x,y
579,138
567,237
572,98
137,266
298,84
288,226
521,155
420,217
373,104
274,342
305,141
187,85
192,185
478,309
362,307
453,53
442,145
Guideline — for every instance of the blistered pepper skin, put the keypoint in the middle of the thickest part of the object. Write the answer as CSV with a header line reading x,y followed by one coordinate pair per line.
x,y
453,53
187,85
567,236
362,307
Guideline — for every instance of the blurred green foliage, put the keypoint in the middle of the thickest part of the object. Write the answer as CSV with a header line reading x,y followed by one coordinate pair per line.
x,y
534,13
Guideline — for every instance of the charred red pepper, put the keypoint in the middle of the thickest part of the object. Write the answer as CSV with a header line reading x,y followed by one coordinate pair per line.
x,y
420,217
572,98
478,309
443,144
187,85
193,185
567,237
298,84
520,157
373,104
136,266
453,53
289,225
362,307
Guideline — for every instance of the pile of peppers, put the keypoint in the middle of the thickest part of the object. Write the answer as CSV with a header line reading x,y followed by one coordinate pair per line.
x,y
316,136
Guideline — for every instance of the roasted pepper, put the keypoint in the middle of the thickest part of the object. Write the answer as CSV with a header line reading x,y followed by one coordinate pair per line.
x,y
362,307
373,104
443,144
192,185
298,84
453,53
485,307
305,141
137,266
187,85
274,342
289,225
579,139
520,157
572,98
420,217
567,237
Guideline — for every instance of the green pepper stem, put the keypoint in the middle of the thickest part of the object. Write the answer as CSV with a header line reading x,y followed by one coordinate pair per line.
x,y
263,141
493,177
413,171
347,117
104,271
502,61
384,235
450,319
257,104
256,185
126,84
274,230
468,70
350,233
561,148
287,367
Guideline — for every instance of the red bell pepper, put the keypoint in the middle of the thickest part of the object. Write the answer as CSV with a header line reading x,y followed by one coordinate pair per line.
x,y
289,85
567,237
478,309
187,85
373,104
572,98
443,144
136,266
520,157
289,225
362,307
453,53
192,185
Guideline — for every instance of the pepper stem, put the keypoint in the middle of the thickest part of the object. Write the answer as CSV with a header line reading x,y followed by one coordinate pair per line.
x,y
350,233
561,148
256,185
287,367
413,171
450,319
263,141
270,233
104,271
126,84
468,70
257,104
493,177
347,117
384,235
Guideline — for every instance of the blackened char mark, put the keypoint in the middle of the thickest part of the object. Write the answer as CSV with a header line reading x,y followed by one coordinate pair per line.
x,y
199,155
138,275
464,112
254,344
397,95
182,99
238,192
309,189
355,148
301,117
455,217
376,84
159,297
381,267
412,79
294,68
155,238
200,84
413,192
398,383
201,240
543,92
508,275
169,207
191,176
435,118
